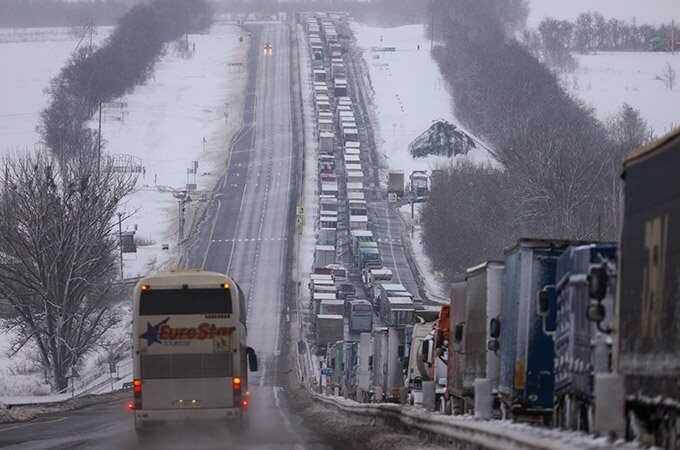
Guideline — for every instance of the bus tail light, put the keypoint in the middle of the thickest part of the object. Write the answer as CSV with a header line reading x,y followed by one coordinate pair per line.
x,y
136,402
236,388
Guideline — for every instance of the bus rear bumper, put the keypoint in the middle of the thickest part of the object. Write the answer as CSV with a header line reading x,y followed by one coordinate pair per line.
x,y
149,416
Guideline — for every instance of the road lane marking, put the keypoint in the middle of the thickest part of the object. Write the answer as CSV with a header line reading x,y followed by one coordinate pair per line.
x,y
24,425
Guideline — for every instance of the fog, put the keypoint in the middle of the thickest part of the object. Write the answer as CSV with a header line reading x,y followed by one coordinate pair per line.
x,y
649,11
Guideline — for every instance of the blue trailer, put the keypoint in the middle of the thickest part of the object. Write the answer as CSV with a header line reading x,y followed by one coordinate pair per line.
x,y
580,348
526,344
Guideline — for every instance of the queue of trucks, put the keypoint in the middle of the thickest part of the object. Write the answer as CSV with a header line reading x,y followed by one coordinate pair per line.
x,y
575,334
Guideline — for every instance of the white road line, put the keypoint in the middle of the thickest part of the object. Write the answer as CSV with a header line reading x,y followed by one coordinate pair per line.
x,y
24,425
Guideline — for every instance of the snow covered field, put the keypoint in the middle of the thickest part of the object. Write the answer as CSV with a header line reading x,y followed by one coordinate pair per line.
x,y
607,80
163,124
410,92
31,57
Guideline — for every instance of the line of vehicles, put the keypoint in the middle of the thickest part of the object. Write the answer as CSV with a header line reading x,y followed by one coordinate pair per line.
x,y
574,334
351,290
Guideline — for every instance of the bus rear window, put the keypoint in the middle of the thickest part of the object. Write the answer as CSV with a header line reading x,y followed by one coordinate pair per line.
x,y
158,302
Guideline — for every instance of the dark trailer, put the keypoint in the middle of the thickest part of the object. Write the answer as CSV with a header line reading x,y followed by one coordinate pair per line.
x,y
647,353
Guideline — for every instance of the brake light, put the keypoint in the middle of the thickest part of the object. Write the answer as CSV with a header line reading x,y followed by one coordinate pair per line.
x,y
236,383
131,405
244,404
137,386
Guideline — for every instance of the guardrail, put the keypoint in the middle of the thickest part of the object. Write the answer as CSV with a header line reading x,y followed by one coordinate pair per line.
x,y
471,433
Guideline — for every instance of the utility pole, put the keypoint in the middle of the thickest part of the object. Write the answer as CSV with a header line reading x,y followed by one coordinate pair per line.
x,y
672,37
432,25
120,243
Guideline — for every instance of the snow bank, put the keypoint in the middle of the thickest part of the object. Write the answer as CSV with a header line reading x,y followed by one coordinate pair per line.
x,y
607,80
435,284
409,92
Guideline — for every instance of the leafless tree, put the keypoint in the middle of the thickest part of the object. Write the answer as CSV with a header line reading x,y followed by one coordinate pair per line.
x,y
668,76
57,260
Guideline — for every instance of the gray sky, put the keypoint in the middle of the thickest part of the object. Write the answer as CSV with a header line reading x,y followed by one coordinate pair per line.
x,y
646,11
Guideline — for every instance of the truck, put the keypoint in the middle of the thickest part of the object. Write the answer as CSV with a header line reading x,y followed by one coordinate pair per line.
x,y
455,398
418,369
527,376
360,313
365,367
647,339
387,384
397,311
370,276
369,258
329,329
359,236
483,287
324,255
419,184
395,182
581,349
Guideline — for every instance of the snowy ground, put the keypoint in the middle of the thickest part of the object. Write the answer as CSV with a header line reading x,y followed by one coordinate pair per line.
x,y
607,80
435,284
31,57
409,92
163,125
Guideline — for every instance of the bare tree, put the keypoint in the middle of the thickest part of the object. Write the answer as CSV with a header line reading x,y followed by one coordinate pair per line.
x,y
57,260
668,76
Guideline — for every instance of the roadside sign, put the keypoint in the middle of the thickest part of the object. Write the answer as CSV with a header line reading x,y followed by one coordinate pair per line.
x,y
327,371
392,197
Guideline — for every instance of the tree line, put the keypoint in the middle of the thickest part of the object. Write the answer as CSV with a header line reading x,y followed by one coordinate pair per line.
x,y
58,238
96,75
592,32
557,166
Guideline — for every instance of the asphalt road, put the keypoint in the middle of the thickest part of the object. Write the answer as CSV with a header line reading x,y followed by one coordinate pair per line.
x,y
244,235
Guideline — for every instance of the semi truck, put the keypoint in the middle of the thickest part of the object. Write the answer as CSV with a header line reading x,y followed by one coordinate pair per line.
x,y
647,339
395,182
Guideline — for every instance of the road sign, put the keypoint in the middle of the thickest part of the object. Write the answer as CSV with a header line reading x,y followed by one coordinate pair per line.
x,y
392,197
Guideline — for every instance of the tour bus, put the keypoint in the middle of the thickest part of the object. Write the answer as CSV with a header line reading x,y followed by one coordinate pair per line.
x,y
190,357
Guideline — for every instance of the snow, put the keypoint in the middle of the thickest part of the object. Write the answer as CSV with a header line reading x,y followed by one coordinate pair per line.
x,y
409,93
607,80
31,57
310,192
435,284
164,123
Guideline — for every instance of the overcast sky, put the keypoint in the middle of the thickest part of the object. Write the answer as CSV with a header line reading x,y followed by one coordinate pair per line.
x,y
645,11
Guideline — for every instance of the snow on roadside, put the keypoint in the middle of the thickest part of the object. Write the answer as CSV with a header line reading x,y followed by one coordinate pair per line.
x,y
163,125
607,80
409,93
435,284
310,194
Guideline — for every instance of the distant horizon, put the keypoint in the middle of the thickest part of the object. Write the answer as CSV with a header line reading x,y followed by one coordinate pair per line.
x,y
643,11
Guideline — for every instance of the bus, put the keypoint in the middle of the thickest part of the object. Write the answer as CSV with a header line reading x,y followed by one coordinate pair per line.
x,y
190,358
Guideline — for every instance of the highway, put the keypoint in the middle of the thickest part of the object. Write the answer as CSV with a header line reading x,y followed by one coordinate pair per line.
x,y
245,235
